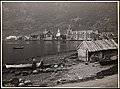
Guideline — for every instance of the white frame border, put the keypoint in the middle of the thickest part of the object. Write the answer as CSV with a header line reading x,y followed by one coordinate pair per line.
x,y
51,2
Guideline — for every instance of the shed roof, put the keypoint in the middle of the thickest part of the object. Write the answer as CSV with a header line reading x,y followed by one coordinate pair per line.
x,y
98,45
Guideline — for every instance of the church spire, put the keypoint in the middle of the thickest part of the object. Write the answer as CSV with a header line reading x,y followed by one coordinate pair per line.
x,y
69,27
58,33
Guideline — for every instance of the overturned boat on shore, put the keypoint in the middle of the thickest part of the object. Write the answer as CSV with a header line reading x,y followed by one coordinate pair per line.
x,y
8,66
109,61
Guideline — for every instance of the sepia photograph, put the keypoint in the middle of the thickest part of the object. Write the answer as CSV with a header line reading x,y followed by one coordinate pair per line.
x,y
59,44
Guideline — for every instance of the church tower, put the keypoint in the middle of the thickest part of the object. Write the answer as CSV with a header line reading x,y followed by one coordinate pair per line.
x,y
58,33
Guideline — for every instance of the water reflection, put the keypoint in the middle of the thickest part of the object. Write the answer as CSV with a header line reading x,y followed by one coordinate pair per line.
x,y
35,48
58,46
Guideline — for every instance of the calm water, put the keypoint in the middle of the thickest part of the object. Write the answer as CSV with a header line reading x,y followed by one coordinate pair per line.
x,y
34,49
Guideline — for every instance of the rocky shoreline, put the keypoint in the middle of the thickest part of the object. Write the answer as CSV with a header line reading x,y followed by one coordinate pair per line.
x,y
60,68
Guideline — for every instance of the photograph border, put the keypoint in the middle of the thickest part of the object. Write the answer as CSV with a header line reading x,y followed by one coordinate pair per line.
x,y
61,1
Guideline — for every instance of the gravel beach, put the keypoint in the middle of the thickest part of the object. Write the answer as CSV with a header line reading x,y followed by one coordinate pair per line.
x,y
66,69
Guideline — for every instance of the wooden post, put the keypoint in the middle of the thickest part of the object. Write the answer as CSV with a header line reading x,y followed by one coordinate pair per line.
x,y
87,55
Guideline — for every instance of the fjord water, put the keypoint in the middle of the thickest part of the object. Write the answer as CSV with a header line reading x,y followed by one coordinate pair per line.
x,y
34,49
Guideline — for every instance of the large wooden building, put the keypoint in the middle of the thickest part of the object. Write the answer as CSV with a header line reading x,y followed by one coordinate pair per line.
x,y
99,48
47,35
80,35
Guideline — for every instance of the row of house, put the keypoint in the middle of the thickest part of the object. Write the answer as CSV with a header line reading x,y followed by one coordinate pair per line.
x,y
87,34
77,35
80,35
45,35
70,35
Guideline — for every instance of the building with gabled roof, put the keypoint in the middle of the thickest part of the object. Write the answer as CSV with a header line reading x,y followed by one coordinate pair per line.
x,y
58,35
99,47
48,35
81,34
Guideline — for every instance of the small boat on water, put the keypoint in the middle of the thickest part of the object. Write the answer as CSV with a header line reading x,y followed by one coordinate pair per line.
x,y
22,65
18,47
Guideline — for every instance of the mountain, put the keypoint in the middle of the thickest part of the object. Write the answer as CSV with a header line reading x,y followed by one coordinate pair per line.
x,y
33,17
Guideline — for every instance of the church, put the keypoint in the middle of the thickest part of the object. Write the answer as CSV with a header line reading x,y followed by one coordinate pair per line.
x,y
58,35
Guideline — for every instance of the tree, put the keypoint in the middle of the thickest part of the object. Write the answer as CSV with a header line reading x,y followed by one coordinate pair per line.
x,y
63,36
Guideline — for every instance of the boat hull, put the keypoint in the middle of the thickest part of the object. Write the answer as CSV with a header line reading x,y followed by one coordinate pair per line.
x,y
22,65
21,47
109,62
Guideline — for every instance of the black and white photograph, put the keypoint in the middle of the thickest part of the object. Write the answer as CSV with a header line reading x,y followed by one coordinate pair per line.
x,y
59,44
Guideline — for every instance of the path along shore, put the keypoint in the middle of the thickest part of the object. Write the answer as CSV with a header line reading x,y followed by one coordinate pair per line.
x,y
109,81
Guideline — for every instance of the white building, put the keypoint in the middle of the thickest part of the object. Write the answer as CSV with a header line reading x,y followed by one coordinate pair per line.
x,y
11,38
79,35
58,34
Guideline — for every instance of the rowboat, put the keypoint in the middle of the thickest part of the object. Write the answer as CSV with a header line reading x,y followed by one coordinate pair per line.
x,y
22,65
18,47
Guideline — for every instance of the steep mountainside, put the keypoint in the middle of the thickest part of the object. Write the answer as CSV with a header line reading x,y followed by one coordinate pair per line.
x,y
27,18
